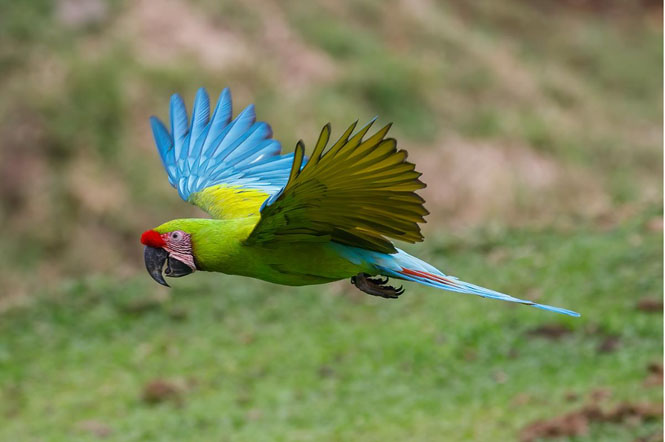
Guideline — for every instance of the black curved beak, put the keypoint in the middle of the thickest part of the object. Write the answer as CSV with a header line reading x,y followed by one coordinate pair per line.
x,y
154,263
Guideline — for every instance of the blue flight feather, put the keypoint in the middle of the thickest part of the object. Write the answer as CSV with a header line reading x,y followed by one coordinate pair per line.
x,y
164,144
178,124
236,129
213,149
200,114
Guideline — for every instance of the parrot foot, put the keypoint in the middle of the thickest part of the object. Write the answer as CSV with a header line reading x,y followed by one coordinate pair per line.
x,y
376,286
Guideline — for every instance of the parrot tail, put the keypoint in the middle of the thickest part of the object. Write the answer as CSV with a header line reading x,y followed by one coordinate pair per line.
x,y
410,268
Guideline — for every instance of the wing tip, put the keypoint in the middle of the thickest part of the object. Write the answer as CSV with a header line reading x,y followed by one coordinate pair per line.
x,y
163,138
176,99
225,97
248,112
154,120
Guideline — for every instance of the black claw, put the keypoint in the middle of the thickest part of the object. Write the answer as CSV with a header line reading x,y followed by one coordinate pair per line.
x,y
376,286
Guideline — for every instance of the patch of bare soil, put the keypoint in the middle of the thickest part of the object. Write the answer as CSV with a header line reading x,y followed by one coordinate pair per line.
x,y
164,31
571,396
93,188
161,390
650,305
299,64
550,331
655,224
609,344
576,423
655,376
470,182
81,13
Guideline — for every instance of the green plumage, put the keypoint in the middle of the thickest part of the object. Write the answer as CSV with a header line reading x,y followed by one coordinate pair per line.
x,y
220,246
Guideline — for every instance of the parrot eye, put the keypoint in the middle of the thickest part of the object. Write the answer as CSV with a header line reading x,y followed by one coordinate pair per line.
x,y
177,235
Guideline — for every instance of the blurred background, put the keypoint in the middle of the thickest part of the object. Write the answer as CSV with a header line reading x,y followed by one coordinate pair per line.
x,y
537,125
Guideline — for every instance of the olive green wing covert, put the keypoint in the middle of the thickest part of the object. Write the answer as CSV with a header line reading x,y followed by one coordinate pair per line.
x,y
359,192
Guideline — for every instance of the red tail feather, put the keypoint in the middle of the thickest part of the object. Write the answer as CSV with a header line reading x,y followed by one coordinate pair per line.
x,y
430,276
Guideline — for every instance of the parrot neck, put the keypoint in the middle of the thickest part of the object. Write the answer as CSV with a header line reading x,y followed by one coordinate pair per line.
x,y
217,245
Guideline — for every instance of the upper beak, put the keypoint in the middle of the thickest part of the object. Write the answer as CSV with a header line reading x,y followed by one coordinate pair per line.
x,y
154,262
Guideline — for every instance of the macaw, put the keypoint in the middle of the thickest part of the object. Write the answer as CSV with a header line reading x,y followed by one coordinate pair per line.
x,y
287,219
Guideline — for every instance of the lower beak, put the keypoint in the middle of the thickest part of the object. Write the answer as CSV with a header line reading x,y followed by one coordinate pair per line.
x,y
154,262
176,268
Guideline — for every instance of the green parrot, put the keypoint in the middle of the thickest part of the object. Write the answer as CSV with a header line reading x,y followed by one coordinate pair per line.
x,y
287,219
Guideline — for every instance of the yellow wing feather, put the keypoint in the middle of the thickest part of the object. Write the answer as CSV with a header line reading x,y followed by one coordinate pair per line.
x,y
226,202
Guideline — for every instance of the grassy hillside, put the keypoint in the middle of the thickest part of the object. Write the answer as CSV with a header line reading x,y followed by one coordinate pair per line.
x,y
537,125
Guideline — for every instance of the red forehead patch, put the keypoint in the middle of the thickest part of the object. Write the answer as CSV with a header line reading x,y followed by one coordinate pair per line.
x,y
152,239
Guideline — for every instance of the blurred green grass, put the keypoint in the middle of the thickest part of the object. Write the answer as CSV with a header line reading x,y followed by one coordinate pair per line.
x,y
254,362
489,97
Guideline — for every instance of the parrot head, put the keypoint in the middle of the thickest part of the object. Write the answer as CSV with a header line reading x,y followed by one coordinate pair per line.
x,y
170,247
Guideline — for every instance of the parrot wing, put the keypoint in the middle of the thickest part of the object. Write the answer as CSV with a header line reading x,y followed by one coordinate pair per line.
x,y
226,167
360,192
